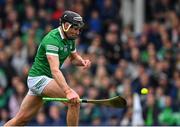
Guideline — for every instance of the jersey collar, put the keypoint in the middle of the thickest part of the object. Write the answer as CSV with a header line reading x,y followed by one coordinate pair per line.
x,y
61,32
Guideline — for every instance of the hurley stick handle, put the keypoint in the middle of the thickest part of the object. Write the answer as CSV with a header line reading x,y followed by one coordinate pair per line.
x,y
61,99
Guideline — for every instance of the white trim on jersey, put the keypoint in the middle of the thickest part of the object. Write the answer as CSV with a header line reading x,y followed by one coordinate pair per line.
x,y
61,32
52,47
53,54
73,51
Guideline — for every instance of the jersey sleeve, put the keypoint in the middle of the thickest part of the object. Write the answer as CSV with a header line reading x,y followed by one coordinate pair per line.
x,y
51,46
73,49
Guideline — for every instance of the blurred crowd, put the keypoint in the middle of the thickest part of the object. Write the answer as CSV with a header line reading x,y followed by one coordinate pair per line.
x,y
123,62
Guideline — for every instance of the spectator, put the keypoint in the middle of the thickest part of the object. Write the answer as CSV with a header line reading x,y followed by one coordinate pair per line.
x,y
19,57
4,117
16,98
166,117
151,111
55,116
95,22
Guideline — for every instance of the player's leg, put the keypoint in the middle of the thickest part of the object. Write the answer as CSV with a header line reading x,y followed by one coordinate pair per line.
x,y
29,107
73,115
53,90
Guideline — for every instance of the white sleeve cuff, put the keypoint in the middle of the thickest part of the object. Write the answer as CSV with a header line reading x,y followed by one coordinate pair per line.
x,y
53,54
73,51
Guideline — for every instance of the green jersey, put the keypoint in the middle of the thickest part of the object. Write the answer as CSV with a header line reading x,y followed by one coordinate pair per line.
x,y
52,44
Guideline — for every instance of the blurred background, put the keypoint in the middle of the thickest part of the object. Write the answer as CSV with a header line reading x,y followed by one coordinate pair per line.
x,y
132,44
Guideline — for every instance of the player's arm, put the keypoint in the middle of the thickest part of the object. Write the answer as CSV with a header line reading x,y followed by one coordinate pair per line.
x,y
56,73
52,50
77,60
59,78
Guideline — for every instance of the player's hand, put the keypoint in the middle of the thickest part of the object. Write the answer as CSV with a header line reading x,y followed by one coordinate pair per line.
x,y
86,64
72,96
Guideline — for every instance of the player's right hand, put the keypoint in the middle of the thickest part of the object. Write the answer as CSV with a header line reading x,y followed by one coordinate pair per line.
x,y
72,96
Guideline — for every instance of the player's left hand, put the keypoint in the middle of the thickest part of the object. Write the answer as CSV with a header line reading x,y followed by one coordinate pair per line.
x,y
86,64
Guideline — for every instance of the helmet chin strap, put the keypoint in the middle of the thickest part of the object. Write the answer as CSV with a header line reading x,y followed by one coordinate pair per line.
x,y
65,30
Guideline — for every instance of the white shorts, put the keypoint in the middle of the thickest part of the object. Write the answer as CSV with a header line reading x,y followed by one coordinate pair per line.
x,y
37,84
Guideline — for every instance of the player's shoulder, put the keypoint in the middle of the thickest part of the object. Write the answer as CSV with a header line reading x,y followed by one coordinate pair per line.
x,y
52,37
53,34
